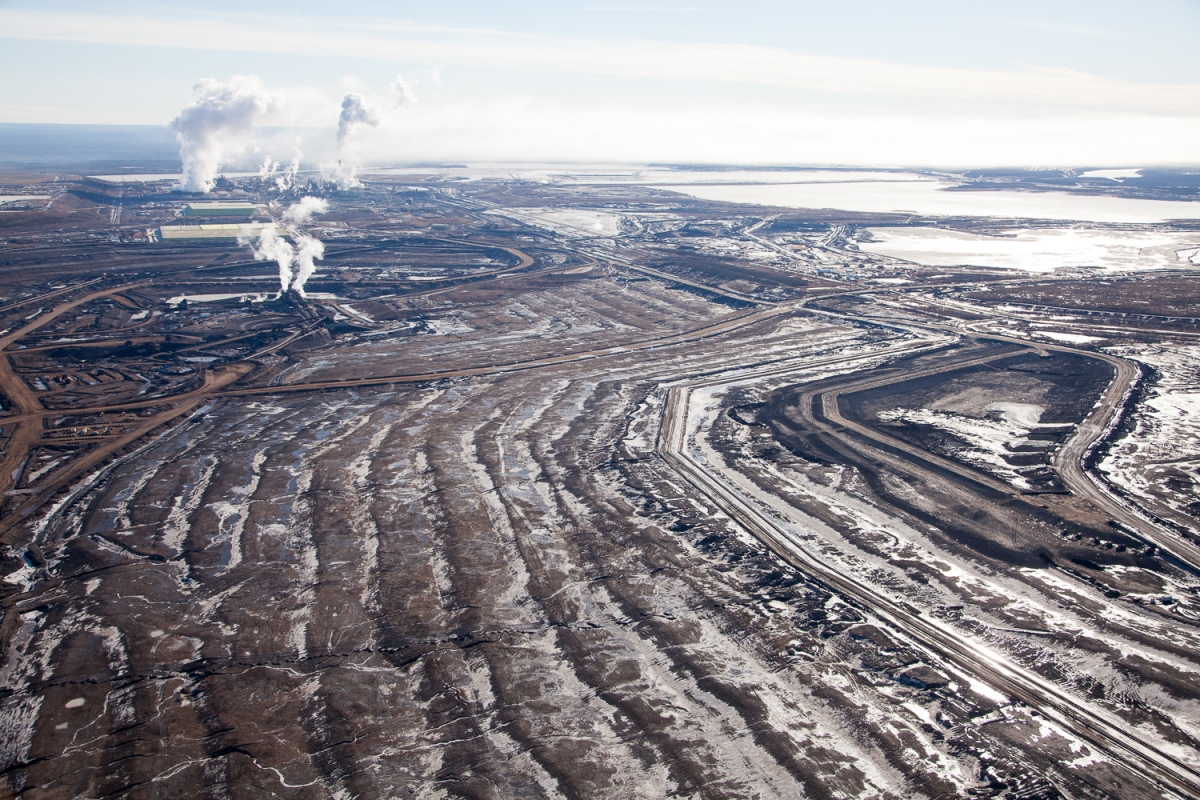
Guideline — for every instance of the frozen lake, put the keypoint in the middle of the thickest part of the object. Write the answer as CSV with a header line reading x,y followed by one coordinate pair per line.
x,y
1037,250
929,197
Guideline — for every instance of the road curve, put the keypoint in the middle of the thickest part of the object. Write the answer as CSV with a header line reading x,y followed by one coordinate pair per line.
x,y
1107,734
1068,461
832,412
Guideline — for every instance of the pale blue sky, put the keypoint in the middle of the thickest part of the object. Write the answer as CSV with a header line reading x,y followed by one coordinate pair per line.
x,y
798,82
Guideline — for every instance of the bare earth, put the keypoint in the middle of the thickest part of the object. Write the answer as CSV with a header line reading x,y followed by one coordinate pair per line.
x,y
708,504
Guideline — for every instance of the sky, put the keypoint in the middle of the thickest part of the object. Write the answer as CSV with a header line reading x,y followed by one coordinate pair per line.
x,y
856,82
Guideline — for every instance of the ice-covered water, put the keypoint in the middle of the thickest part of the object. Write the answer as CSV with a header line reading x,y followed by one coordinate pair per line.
x,y
925,197
1037,250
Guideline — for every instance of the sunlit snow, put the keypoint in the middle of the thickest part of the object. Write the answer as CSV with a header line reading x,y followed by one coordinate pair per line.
x,y
1034,250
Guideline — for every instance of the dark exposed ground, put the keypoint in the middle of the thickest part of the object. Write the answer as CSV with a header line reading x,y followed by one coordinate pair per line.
x,y
1062,386
486,582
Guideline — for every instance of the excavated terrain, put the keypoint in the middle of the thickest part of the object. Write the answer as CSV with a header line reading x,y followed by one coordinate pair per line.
x,y
429,531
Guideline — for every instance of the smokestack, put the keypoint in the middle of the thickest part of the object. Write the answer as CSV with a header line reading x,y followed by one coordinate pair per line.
x,y
356,114
219,122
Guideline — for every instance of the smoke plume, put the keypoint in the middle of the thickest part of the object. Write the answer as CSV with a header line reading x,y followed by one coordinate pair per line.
x,y
300,213
219,122
307,248
272,247
356,114
284,178
402,93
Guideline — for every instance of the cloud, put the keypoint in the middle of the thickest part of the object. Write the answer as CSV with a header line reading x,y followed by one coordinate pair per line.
x,y
728,134
1075,30
662,60
643,8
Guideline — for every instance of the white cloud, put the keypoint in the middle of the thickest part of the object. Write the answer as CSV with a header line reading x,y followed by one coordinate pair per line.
x,y
668,61
644,8
1076,30
534,131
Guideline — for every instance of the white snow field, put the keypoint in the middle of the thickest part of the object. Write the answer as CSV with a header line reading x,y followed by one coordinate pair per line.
x,y
926,197
1037,250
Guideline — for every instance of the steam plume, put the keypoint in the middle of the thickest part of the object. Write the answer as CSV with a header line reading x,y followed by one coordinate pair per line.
x,y
284,178
307,248
218,122
272,247
402,93
356,114
288,179
300,213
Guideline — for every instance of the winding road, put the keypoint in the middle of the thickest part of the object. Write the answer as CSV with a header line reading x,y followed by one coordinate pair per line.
x,y
1106,733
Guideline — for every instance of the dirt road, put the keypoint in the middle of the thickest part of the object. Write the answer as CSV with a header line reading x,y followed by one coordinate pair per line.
x,y
944,644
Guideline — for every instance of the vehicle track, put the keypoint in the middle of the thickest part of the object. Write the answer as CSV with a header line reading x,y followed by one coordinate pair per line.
x,y
967,656
28,422
1068,461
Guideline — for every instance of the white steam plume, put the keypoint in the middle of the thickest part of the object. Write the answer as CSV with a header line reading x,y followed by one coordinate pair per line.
x,y
356,114
307,248
288,179
300,213
219,122
402,93
284,178
272,247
